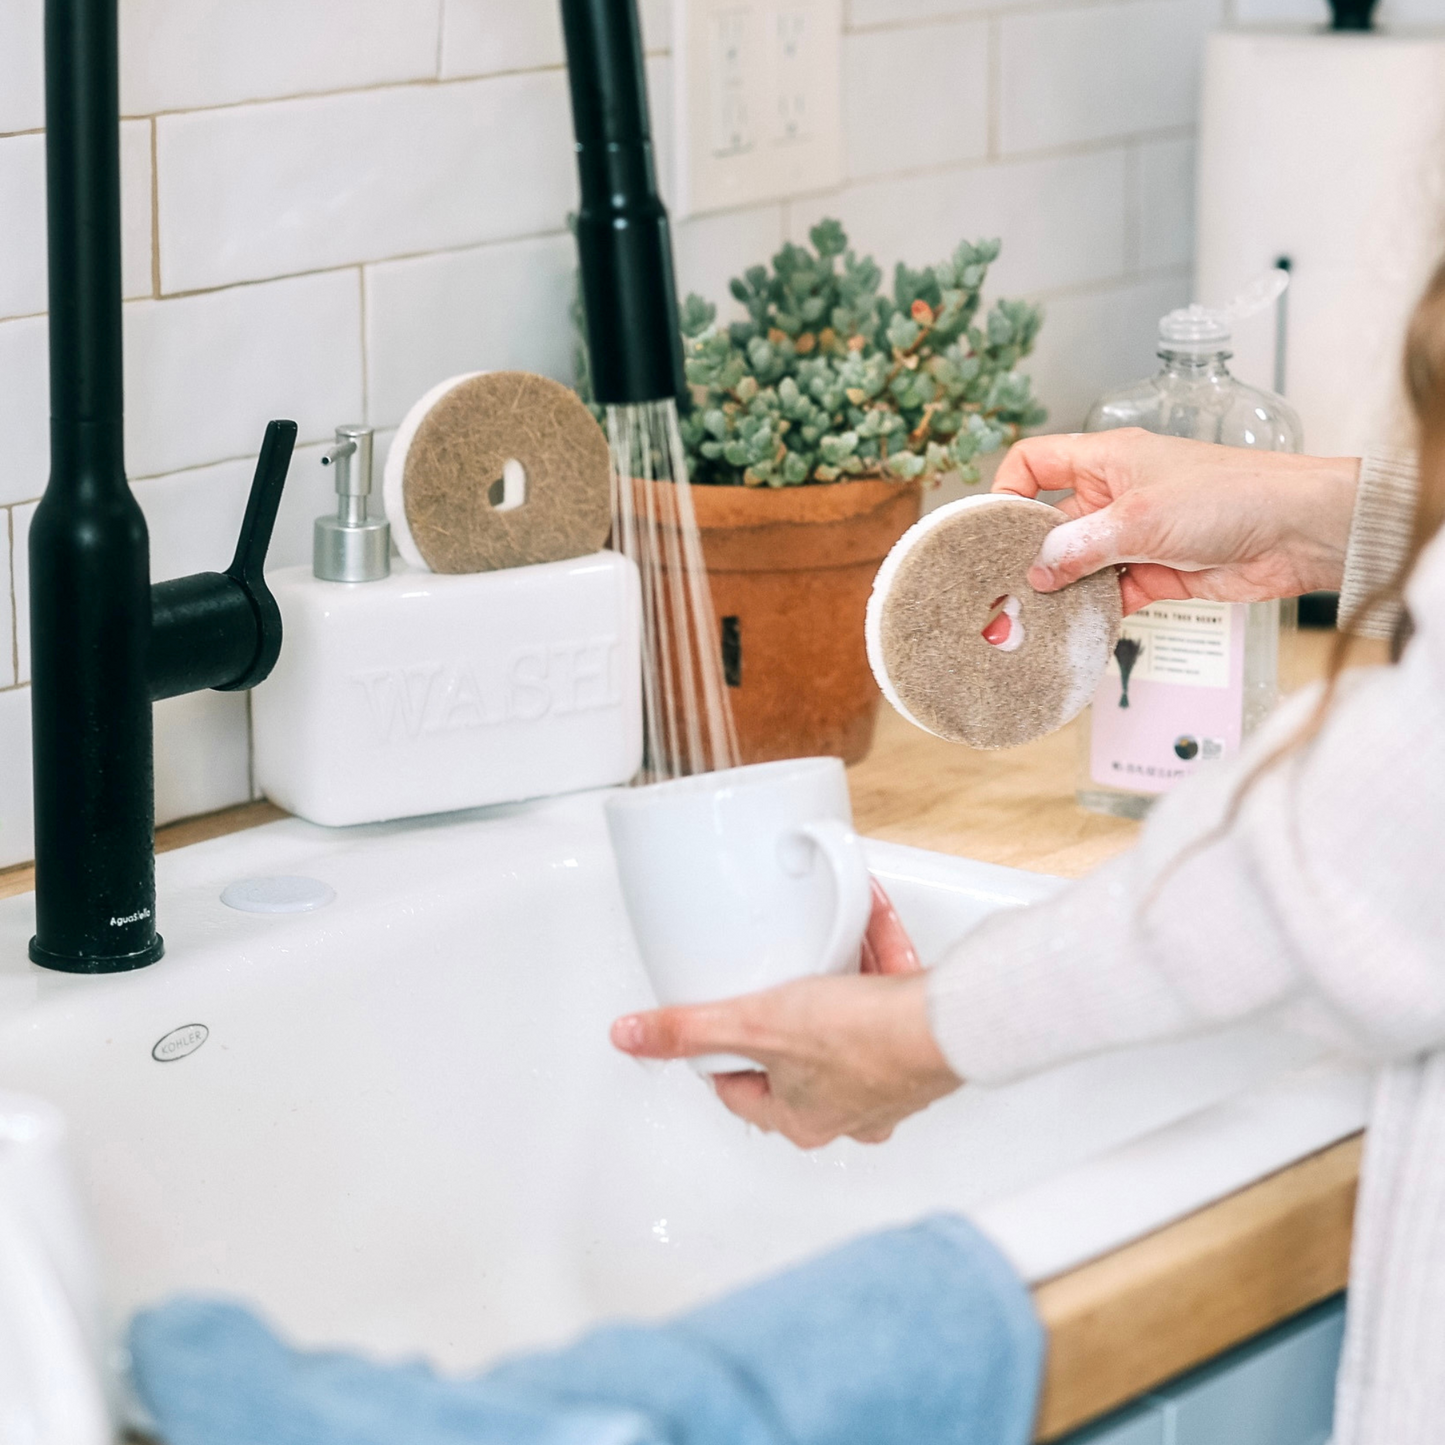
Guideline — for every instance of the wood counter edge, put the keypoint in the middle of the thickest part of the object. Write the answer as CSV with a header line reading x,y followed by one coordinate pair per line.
x,y
21,878
1126,1322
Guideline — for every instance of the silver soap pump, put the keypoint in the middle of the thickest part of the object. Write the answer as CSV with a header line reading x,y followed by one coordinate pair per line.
x,y
351,547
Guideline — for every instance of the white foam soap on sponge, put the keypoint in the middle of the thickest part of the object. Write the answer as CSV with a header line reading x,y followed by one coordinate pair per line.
x,y
964,647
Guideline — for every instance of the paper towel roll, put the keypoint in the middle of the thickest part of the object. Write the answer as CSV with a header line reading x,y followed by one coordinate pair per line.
x,y
1329,149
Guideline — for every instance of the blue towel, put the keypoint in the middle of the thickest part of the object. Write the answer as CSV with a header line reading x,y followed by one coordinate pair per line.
x,y
916,1336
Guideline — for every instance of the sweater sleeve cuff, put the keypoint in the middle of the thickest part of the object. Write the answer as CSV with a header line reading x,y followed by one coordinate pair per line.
x,y
1036,987
1380,533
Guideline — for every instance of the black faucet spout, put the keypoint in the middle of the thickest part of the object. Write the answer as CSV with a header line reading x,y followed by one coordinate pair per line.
x,y
103,642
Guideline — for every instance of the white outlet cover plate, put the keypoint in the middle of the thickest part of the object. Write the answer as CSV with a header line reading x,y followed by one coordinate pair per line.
x,y
758,102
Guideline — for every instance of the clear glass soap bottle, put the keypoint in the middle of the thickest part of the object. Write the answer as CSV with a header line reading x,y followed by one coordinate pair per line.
x,y
1188,680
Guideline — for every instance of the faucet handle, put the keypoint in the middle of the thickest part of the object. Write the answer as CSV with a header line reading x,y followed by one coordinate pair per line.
x,y
247,567
223,629
248,564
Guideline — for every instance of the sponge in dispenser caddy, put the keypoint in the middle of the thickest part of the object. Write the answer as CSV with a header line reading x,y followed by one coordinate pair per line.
x,y
964,647
497,469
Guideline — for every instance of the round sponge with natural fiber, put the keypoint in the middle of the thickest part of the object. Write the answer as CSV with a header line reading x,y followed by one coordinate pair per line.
x,y
497,469
961,644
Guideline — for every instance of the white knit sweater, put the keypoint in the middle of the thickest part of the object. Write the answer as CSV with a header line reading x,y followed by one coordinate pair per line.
x,y
1323,904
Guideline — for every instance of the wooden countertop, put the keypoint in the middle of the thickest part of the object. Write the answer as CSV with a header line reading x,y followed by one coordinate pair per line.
x,y
1126,1322
1122,1324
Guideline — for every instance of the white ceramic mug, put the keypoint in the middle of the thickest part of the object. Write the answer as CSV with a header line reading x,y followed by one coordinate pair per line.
x,y
741,880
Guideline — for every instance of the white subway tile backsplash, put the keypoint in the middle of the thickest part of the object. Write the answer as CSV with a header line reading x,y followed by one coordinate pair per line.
x,y
658,71
710,250
20,578
946,62
22,225
656,23
186,54
194,516
1098,339
22,65
311,493
22,218
24,409
202,754
474,43
135,208
1072,76
7,614
17,816
1061,219
485,309
205,373
1166,204
299,185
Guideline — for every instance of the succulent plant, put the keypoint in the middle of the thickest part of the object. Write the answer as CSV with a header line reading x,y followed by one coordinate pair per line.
x,y
829,378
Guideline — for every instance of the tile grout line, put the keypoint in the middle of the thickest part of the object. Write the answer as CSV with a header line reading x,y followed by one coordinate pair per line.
x,y
341,266
155,216
411,82
415,82
14,604
441,35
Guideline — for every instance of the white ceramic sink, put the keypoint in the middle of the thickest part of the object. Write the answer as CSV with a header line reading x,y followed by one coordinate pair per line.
x,y
406,1130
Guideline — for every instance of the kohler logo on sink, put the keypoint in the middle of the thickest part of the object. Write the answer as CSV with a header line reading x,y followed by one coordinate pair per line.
x,y
180,1042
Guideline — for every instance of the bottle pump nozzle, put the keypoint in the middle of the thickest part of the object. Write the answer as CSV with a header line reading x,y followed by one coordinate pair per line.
x,y
351,547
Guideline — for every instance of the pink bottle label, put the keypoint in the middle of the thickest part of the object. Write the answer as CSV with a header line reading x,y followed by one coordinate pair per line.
x,y
1172,698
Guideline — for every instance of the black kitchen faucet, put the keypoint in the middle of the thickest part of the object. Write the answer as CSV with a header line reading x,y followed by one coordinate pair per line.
x,y
105,643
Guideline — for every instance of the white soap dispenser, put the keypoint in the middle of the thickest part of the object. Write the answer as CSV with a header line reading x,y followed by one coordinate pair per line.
x,y
401,691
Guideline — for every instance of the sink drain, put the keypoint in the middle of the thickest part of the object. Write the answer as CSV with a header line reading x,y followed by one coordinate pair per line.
x,y
278,895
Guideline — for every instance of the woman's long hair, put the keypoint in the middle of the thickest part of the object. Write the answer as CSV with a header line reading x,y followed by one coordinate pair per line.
x,y
1425,387
1424,377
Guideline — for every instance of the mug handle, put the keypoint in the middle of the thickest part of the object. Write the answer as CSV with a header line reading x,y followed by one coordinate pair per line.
x,y
841,848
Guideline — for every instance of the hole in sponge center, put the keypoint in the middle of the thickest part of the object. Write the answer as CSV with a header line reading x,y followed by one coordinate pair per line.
x,y
1003,629
509,491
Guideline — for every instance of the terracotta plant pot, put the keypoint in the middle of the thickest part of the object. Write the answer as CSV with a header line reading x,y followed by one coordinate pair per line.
x,y
790,571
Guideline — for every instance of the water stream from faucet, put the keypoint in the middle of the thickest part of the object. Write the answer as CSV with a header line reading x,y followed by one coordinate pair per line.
x,y
687,718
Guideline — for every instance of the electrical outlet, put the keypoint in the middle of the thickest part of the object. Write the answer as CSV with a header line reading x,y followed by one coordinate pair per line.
x,y
758,100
